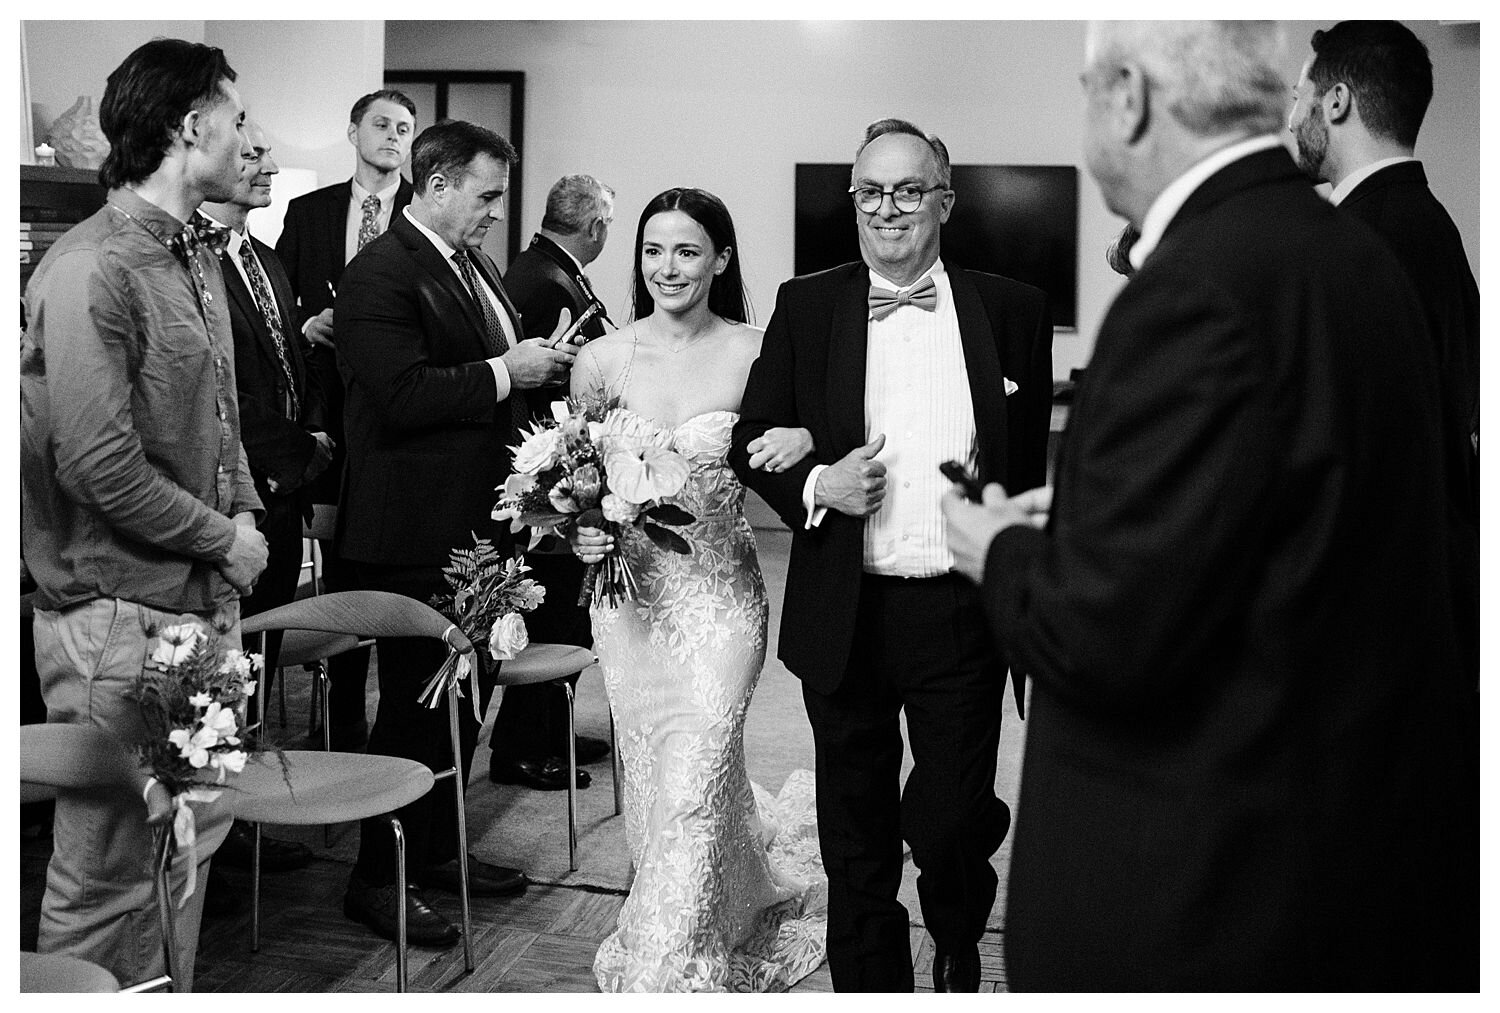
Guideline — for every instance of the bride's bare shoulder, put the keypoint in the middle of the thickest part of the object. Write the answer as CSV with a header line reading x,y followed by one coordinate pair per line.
x,y
746,338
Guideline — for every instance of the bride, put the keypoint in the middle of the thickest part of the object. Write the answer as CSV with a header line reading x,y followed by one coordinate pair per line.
x,y
729,892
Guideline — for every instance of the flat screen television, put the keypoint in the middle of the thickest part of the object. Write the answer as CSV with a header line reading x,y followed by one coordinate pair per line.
x,y
1017,220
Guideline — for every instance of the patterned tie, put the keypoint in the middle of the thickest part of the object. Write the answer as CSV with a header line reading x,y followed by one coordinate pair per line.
x,y
494,332
367,230
260,289
883,301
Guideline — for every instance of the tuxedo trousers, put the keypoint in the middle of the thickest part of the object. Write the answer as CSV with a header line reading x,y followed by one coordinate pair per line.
x,y
408,728
920,647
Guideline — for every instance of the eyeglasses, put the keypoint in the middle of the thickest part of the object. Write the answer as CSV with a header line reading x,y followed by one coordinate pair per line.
x,y
906,198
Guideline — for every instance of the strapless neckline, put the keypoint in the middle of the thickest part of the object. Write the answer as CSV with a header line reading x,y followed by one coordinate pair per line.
x,y
684,422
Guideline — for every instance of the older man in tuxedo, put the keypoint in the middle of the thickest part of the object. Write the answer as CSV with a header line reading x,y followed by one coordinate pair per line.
x,y
435,364
322,232
1238,772
896,364
281,425
530,740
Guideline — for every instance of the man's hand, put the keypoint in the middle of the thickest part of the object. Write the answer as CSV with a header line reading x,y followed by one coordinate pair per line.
x,y
536,363
321,455
972,526
854,484
319,329
779,448
247,555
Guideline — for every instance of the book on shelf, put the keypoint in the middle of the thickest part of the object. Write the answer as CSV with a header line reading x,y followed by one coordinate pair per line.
x,y
44,228
41,214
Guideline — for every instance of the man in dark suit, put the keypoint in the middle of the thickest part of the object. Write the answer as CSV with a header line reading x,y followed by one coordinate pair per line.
x,y
929,363
322,232
434,363
281,427
1360,101
1235,615
529,744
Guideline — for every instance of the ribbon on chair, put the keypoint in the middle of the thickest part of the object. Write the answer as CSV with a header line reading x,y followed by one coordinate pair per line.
x,y
456,667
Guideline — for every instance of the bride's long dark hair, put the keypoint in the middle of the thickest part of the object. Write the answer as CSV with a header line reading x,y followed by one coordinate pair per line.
x,y
726,296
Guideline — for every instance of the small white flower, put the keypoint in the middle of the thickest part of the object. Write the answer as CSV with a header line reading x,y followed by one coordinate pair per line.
x,y
176,643
250,685
238,664
232,761
508,637
200,699
221,720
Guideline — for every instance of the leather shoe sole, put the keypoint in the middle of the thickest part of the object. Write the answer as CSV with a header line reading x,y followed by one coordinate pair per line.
x,y
485,880
375,906
549,775
238,851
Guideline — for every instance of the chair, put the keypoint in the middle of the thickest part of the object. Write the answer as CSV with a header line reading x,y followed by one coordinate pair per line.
x,y
59,758
553,663
331,787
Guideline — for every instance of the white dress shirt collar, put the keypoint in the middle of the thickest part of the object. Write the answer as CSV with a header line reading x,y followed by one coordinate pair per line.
x,y
386,195
876,278
1348,183
1171,200
432,237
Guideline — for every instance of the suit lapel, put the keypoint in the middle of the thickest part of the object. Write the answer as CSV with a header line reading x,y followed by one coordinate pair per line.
x,y
281,288
492,278
336,224
848,344
986,375
427,256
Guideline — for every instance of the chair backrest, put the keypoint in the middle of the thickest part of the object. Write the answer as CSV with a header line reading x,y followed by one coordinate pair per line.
x,y
63,757
362,613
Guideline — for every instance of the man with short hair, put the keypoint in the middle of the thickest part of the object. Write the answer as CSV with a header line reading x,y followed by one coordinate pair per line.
x,y
897,364
1239,769
281,428
137,507
435,364
1359,103
322,232
529,742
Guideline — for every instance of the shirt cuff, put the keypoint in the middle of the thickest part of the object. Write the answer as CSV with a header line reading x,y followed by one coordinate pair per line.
x,y
814,513
502,378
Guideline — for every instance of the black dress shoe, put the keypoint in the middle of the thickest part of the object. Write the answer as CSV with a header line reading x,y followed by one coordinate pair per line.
x,y
590,750
485,880
956,971
550,774
238,850
375,906
221,898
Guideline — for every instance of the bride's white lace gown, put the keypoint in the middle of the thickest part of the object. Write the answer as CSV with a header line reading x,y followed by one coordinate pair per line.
x,y
729,892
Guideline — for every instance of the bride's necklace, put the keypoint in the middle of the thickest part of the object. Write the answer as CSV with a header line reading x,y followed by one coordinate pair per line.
x,y
689,343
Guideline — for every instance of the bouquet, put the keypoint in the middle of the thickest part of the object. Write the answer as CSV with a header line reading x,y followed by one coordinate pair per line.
x,y
192,701
485,600
596,465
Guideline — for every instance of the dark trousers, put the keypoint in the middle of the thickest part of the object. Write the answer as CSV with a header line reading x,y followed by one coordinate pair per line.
x,y
921,647
277,585
347,672
532,721
407,728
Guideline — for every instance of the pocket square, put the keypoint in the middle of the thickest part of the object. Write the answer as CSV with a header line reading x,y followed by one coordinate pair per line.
x,y
1010,386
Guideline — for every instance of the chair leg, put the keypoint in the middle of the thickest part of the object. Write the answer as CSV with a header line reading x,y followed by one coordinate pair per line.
x,y
617,767
165,847
463,829
400,904
255,889
320,674
567,686
281,695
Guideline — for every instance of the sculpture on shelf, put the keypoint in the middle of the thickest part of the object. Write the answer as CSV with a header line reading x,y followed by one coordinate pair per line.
x,y
76,136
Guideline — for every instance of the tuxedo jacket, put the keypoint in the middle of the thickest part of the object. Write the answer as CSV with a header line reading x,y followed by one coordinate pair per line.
x,y
1397,203
311,245
811,373
1238,772
428,444
276,446
543,281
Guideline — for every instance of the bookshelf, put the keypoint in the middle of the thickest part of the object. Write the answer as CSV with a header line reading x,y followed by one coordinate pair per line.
x,y
53,198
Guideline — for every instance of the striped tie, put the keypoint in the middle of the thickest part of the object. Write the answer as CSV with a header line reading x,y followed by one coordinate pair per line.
x,y
494,332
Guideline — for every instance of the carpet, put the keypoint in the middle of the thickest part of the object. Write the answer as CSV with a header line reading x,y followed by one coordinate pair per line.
x,y
526,829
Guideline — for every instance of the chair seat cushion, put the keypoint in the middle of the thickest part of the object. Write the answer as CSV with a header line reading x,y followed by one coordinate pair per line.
x,y
543,663
325,787
54,972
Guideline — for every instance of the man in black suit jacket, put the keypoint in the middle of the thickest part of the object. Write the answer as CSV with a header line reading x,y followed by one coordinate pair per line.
x,y
1235,617
529,743
1360,101
930,363
281,428
434,364
322,232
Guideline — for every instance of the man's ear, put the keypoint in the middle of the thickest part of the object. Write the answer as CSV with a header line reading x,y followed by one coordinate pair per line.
x,y
1131,94
351,132
191,127
1338,102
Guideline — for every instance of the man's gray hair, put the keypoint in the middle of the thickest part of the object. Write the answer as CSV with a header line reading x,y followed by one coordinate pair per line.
x,y
1217,77
574,202
891,125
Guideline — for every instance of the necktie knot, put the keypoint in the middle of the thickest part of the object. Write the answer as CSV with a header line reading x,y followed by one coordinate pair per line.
x,y
883,302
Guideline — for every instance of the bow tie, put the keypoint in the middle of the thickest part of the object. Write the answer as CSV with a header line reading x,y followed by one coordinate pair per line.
x,y
202,232
883,301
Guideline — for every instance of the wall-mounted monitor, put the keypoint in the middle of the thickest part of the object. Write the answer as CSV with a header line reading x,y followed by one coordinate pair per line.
x,y
1017,220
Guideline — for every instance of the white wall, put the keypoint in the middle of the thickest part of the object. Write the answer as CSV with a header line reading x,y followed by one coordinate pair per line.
x,y
733,106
